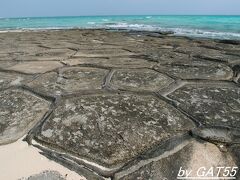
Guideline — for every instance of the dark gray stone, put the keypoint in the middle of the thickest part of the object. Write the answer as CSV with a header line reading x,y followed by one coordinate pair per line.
x,y
69,80
211,105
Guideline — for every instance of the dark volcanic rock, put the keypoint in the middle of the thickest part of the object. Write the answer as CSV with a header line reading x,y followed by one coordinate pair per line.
x,y
112,129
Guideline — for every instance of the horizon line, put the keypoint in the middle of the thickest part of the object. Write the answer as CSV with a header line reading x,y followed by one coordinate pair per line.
x,y
120,15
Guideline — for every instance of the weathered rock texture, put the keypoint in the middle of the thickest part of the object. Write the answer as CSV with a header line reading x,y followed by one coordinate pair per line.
x,y
122,105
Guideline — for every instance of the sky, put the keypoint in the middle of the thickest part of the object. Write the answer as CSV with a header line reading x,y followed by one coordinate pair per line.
x,y
37,8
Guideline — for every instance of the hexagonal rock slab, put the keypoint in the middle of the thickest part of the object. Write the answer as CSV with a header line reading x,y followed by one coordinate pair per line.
x,y
35,67
198,70
19,111
111,129
210,105
191,157
139,80
11,79
69,80
114,62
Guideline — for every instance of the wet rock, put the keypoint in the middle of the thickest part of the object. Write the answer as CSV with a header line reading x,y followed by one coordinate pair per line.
x,y
35,67
218,106
19,112
191,157
69,80
139,80
228,41
111,129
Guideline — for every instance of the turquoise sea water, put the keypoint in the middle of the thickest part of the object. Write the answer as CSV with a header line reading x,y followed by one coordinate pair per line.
x,y
222,27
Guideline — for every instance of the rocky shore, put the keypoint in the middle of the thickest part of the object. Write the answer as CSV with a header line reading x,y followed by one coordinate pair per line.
x,y
122,105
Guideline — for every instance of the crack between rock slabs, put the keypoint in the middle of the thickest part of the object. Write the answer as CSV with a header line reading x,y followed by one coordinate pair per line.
x,y
142,162
173,104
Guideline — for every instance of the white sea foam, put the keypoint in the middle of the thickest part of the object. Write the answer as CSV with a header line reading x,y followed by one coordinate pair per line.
x,y
91,22
203,33
141,27
105,20
177,31
123,25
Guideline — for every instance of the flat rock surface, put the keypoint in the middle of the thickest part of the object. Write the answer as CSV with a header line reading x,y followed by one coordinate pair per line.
x,y
102,53
19,111
197,70
111,62
112,129
69,80
121,104
12,79
214,106
191,157
35,67
139,80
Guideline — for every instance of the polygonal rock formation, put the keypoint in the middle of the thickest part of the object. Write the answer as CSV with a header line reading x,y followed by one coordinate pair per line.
x,y
197,70
215,106
69,80
19,112
139,80
111,129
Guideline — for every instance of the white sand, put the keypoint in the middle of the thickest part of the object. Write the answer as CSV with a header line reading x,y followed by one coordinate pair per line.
x,y
18,160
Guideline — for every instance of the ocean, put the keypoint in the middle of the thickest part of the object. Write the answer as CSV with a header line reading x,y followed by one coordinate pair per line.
x,y
218,27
